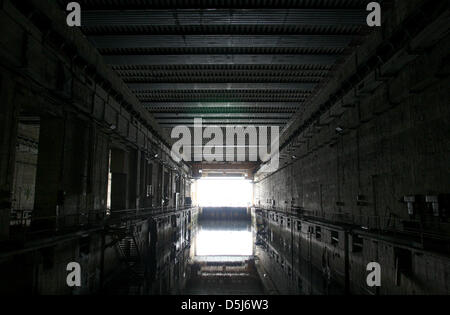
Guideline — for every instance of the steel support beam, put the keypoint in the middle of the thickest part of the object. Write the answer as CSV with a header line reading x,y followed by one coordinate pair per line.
x,y
234,41
222,124
220,86
156,105
150,60
177,116
237,121
306,17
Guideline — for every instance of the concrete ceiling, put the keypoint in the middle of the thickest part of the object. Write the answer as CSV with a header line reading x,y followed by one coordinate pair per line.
x,y
229,62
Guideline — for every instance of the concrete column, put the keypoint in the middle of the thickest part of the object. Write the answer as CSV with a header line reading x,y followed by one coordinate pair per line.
x,y
182,190
161,179
119,186
49,193
63,179
171,191
141,180
133,182
156,202
77,151
8,136
98,184
148,180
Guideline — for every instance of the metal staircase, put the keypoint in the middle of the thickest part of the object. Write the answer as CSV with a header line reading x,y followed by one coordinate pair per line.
x,y
129,250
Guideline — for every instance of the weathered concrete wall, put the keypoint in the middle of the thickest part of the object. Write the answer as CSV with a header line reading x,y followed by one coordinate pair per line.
x,y
25,167
83,111
43,271
388,138
8,136
304,257
171,243
79,121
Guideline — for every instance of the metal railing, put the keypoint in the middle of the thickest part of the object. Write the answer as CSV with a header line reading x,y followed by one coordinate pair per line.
x,y
420,227
29,225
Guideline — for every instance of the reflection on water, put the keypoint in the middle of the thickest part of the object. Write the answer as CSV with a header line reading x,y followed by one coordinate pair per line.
x,y
223,251
223,242
285,255
223,254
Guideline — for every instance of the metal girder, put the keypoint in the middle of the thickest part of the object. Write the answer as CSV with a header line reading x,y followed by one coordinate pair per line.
x,y
184,41
236,121
220,86
177,68
222,115
220,166
309,17
220,111
152,105
257,97
219,75
220,59
224,124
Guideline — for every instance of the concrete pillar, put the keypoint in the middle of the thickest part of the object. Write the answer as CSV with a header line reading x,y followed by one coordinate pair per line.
x,y
142,179
166,186
147,193
63,179
133,182
49,192
156,202
119,185
8,136
77,151
86,166
171,192
99,168
162,179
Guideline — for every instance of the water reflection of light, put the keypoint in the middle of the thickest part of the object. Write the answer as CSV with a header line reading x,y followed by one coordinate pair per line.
x,y
224,243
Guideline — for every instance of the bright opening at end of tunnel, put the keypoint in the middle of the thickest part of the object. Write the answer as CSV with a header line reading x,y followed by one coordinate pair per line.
x,y
224,243
221,192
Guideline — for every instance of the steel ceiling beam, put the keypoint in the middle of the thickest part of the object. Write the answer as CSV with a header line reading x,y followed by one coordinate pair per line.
x,y
197,41
256,97
221,111
205,17
197,65
150,60
152,105
220,86
223,124
220,74
214,73
221,120
221,98
227,68
222,115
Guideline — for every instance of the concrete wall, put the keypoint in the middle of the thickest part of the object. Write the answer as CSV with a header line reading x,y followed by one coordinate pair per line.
x,y
171,252
387,139
300,256
81,116
25,168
